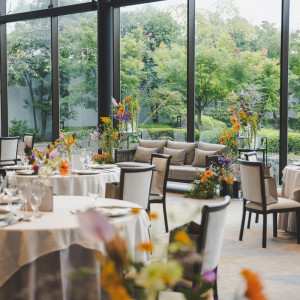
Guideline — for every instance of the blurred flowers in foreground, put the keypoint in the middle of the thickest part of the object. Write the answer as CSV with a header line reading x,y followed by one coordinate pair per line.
x,y
124,279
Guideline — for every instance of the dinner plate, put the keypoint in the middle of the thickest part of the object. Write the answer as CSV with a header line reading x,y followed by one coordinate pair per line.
x,y
25,172
16,167
114,212
85,172
105,166
4,214
4,199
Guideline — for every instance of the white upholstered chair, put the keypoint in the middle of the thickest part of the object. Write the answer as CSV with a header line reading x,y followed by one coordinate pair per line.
x,y
159,182
135,184
28,139
209,243
260,197
8,150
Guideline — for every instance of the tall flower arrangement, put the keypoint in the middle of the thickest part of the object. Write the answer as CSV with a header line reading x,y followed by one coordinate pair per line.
x,y
248,110
109,138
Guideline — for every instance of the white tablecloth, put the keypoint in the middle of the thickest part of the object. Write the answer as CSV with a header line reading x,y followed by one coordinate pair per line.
x,y
78,185
290,181
24,242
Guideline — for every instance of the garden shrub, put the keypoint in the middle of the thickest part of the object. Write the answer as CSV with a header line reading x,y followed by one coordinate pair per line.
x,y
19,127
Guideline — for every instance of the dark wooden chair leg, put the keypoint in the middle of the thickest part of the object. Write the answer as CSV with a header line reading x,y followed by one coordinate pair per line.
x,y
264,237
298,226
274,224
249,219
242,223
215,286
256,218
165,216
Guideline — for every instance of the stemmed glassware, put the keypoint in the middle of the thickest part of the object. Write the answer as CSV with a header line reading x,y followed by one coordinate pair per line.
x,y
83,157
23,159
89,157
94,194
24,191
37,193
10,188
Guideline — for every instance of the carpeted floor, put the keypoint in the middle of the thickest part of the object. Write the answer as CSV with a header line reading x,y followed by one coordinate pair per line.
x,y
278,265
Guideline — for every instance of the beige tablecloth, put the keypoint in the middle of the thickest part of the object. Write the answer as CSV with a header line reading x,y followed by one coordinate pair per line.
x,y
25,242
78,185
290,181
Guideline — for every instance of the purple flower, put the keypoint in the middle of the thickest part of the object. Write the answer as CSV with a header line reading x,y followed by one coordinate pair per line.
x,y
225,162
75,131
260,114
96,133
95,225
209,277
35,168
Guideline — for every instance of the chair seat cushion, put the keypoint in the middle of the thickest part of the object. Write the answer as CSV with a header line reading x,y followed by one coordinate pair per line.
x,y
155,197
283,203
126,164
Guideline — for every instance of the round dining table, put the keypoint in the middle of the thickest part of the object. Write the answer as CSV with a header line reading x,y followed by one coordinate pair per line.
x,y
78,183
290,182
40,256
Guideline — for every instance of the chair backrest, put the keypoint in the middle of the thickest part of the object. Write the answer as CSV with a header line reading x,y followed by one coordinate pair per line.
x,y
211,234
160,174
28,139
251,156
252,178
135,184
8,150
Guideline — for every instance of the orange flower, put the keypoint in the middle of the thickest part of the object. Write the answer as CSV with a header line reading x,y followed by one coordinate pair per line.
x,y
55,142
233,120
147,246
254,287
104,154
236,127
120,111
135,210
203,179
152,215
208,173
182,237
64,168
127,99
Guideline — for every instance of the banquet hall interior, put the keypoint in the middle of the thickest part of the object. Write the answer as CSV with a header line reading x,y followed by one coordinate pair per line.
x,y
149,149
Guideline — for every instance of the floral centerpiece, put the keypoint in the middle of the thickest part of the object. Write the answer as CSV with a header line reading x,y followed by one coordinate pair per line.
x,y
123,279
248,110
127,110
103,158
205,186
109,139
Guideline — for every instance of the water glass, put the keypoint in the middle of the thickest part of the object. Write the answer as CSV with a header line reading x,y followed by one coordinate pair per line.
x,y
10,188
83,157
89,157
37,193
94,194
24,192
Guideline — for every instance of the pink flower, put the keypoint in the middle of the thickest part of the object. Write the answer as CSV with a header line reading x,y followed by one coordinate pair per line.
x,y
92,136
53,154
61,135
209,277
95,225
150,34
96,133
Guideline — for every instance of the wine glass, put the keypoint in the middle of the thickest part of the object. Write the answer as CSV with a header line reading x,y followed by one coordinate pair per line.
x,y
10,188
1,183
37,192
24,192
23,159
93,194
89,157
83,157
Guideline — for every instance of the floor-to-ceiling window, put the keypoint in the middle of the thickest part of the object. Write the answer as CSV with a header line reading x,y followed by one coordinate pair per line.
x,y
78,72
29,78
238,57
294,83
154,66
19,6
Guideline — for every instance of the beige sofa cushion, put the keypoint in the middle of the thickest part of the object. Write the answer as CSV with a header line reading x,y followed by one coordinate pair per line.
x,y
144,154
184,173
160,144
200,157
212,147
189,147
178,156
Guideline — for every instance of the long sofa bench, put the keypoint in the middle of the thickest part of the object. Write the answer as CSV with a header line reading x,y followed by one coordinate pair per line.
x,y
187,158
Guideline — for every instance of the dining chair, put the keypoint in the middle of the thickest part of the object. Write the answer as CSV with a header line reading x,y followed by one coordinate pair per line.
x,y
260,197
8,150
209,239
28,139
159,182
135,183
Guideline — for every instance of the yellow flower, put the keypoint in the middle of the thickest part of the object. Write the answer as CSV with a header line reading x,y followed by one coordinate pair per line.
x,y
203,179
152,215
229,179
40,155
135,210
56,142
36,149
182,237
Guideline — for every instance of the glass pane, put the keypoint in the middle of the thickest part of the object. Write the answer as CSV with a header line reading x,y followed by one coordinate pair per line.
x,y
238,51
294,84
29,78
153,66
13,6
78,73
70,2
